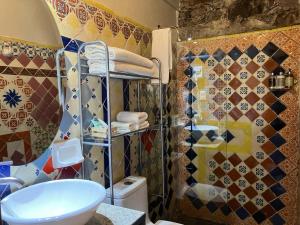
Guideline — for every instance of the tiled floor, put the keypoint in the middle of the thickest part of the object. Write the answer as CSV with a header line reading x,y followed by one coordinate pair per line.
x,y
193,221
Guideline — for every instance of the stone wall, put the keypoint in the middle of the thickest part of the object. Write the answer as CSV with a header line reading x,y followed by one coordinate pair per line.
x,y
205,18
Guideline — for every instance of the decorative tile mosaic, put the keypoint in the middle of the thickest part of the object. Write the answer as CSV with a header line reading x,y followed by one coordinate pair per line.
x,y
245,177
29,111
79,22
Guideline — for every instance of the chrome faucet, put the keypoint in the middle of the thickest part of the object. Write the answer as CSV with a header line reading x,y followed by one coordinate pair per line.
x,y
12,180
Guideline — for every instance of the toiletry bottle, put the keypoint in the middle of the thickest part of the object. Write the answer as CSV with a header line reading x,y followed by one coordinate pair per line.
x,y
289,79
280,81
272,81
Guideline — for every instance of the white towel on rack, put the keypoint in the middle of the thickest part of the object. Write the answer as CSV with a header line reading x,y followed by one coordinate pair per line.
x,y
123,125
162,49
117,54
143,125
97,67
132,117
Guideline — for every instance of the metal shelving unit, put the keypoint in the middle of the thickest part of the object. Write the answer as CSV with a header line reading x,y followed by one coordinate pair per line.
x,y
107,142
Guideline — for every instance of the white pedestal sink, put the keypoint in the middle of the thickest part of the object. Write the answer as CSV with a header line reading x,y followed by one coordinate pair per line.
x,y
61,202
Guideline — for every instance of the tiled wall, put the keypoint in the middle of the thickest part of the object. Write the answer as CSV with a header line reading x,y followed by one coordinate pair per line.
x,y
251,177
82,21
29,110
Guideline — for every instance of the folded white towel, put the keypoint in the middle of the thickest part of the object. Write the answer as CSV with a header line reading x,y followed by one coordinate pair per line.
x,y
123,125
132,117
143,125
117,54
99,67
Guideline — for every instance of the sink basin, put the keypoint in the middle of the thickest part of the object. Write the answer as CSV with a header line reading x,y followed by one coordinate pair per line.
x,y
203,128
61,202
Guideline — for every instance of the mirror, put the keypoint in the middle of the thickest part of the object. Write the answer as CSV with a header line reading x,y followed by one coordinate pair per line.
x,y
30,113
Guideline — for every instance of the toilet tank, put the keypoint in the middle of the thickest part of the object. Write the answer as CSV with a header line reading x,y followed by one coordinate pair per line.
x,y
131,193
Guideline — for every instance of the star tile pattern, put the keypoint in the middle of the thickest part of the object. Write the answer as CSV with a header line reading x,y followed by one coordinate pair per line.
x,y
29,110
251,185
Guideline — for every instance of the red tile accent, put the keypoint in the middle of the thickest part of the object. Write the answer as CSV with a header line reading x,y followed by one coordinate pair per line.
x,y
270,65
269,131
47,83
234,204
219,69
25,136
251,208
269,98
236,113
235,68
251,177
252,98
252,82
268,180
23,59
41,91
48,167
219,172
268,164
268,211
235,98
234,159
250,192
219,84
38,61
268,195
268,147
269,115
219,157
234,189
235,83
252,67
252,114
251,162
234,175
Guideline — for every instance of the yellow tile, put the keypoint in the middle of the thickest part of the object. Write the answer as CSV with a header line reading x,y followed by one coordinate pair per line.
x,y
132,46
90,32
118,41
106,35
200,163
70,26
242,143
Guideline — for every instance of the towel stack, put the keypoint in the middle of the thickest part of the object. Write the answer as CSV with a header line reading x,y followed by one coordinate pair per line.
x,y
120,60
130,121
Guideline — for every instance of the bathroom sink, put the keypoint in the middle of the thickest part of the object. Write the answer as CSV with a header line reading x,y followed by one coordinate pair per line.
x,y
201,128
61,202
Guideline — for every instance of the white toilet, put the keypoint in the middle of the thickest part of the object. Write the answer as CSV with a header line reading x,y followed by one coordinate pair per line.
x,y
131,193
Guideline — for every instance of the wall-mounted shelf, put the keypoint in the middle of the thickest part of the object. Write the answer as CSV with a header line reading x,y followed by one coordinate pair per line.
x,y
90,140
83,71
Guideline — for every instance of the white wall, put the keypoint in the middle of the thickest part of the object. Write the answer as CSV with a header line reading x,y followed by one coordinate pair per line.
x,y
149,13
29,20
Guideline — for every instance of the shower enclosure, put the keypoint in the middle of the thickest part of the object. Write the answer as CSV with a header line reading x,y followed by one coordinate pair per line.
x,y
236,159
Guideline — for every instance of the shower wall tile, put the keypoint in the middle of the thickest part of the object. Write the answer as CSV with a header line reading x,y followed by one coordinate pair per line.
x,y
255,172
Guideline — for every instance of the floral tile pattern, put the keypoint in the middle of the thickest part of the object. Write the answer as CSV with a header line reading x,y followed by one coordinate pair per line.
x,y
247,176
